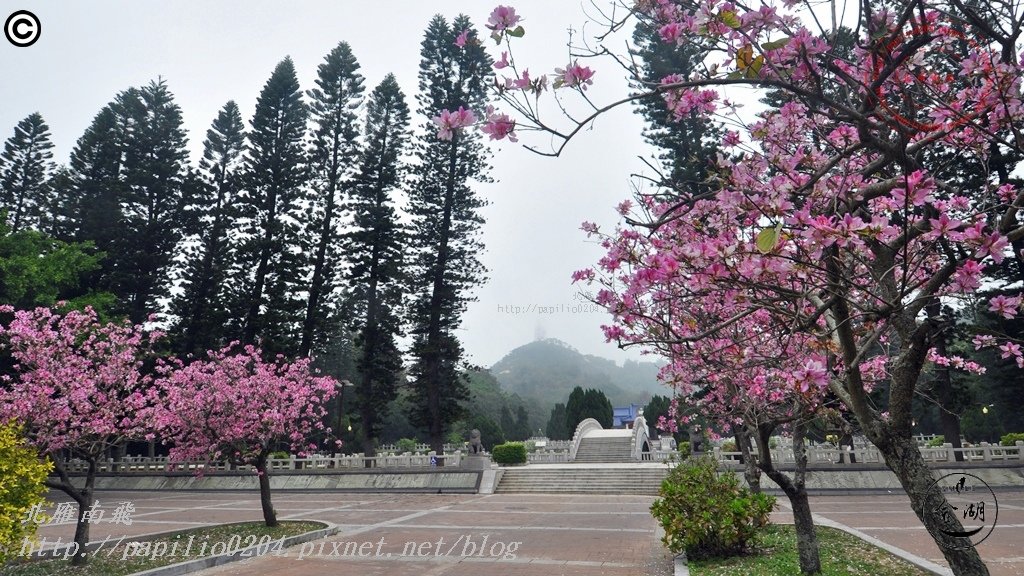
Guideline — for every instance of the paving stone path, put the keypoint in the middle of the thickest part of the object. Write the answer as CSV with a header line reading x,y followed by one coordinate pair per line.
x,y
498,534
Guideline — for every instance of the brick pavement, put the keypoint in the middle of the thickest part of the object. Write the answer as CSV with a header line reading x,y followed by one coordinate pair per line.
x,y
555,534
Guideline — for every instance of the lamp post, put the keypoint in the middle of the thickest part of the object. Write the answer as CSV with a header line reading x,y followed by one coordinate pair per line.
x,y
341,406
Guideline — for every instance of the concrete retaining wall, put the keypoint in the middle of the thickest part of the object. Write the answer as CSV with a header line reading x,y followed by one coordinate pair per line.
x,y
466,482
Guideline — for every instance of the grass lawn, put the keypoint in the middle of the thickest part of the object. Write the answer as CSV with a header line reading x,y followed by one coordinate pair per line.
x,y
841,555
128,558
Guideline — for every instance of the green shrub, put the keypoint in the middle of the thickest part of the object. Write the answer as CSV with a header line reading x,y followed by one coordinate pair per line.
x,y
509,453
773,442
1012,438
936,442
280,455
406,445
531,446
23,496
684,450
707,514
729,446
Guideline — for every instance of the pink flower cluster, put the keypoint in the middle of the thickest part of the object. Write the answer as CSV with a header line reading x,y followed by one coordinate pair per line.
x,y
448,122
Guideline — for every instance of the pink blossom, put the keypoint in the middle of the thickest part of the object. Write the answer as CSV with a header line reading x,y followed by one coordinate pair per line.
x,y
1006,307
499,126
1009,349
449,122
502,18
462,38
503,63
672,33
574,76
983,341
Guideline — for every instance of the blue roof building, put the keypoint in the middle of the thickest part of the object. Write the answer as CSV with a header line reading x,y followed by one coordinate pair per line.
x,y
624,417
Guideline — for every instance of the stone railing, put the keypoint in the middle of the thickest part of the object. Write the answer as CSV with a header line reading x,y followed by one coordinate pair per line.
x,y
548,457
142,465
824,454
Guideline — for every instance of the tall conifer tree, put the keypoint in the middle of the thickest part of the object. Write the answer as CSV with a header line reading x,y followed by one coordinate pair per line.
x,y
375,250
201,308
24,169
333,158
445,208
270,260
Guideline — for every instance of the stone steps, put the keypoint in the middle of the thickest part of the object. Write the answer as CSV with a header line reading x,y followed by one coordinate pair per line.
x,y
640,481
603,449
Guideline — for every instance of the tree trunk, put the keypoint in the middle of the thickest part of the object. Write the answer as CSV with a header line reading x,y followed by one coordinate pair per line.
x,y
943,383
84,499
928,501
751,472
269,514
796,490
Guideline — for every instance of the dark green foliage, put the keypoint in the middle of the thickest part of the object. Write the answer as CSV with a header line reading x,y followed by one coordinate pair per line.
x,y
509,453
202,306
688,145
154,170
374,249
556,428
574,410
521,429
125,193
508,423
332,157
24,170
597,406
444,208
270,262
707,514
583,404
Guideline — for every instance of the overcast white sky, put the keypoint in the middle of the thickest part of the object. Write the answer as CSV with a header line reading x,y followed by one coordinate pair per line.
x,y
212,52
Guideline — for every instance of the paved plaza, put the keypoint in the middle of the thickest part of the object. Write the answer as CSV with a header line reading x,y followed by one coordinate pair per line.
x,y
499,534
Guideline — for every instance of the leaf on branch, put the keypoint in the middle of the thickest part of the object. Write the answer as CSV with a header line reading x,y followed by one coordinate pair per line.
x,y
730,19
776,44
768,238
518,32
755,67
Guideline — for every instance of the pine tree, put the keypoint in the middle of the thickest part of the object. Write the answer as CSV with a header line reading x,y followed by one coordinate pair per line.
x,y
375,250
574,411
155,166
24,169
201,308
125,194
556,423
270,263
446,221
88,197
333,105
690,144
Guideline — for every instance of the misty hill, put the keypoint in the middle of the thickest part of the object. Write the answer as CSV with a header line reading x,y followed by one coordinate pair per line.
x,y
548,370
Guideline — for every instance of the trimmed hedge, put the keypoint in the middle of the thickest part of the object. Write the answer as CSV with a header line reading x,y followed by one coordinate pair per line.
x,y
509,453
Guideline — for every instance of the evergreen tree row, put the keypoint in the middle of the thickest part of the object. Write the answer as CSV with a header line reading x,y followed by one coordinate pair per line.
x,y
288,233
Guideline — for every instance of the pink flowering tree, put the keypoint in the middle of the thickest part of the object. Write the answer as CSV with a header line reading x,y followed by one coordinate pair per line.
x,y
752,383
236,407
78,389
840,211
